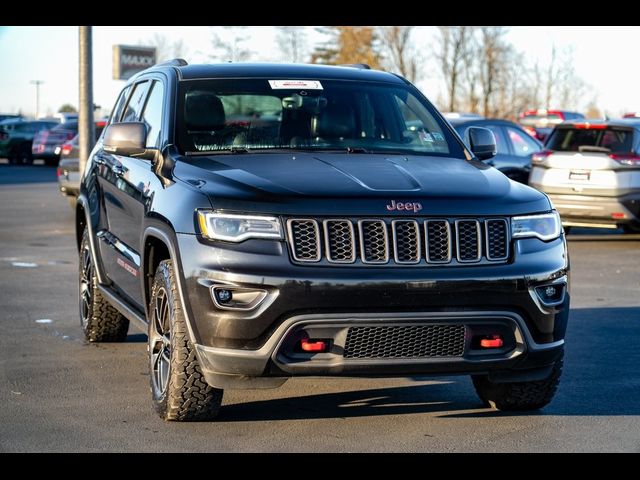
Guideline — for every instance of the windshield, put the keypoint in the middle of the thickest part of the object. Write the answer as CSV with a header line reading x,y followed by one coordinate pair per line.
x,y
256,114
579,139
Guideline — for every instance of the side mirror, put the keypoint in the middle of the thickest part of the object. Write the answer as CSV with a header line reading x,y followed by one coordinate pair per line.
x,y
127,139
481,142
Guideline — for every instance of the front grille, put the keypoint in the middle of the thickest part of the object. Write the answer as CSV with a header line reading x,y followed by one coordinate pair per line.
x,y
387,241
419,341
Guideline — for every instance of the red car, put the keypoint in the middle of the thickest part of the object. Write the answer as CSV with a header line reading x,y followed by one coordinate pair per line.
x,y
539,123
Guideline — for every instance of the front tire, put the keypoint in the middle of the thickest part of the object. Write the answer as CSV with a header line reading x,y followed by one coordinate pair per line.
x,y
518,396
178,387
100,321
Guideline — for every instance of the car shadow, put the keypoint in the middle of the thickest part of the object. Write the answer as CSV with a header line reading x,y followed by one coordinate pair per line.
x,y
402,400
601,377
23,174
136,338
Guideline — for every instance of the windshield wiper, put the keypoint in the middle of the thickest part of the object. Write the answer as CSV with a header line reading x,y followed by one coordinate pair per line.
x,y
357,150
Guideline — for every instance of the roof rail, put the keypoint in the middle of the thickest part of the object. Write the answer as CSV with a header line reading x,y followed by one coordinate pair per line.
x,y
361,66
176,62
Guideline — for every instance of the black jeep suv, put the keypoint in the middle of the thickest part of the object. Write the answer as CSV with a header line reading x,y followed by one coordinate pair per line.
x,y
269,221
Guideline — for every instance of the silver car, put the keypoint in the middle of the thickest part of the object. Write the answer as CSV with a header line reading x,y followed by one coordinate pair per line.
x,y
591,172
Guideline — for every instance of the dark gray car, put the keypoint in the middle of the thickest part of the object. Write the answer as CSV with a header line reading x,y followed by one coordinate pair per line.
x,y
515,146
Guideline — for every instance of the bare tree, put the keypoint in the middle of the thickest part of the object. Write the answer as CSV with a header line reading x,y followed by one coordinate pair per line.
x,y
454,43
552,77
471,74
400,52
293,43
229,44
165,49
494,52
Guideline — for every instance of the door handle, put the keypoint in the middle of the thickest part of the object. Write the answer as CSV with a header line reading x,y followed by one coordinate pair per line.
x,y
117,169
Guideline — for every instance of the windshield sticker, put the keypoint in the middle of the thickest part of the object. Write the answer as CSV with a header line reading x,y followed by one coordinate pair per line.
x,y
295,84
438,136
425,137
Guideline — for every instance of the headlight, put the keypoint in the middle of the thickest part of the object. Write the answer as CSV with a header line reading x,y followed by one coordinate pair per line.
x,y
546,226
236,228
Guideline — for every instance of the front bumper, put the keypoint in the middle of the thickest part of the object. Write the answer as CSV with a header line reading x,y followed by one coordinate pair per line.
x,y
597,211
244,348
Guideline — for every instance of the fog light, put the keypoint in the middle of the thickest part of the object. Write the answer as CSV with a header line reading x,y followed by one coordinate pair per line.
x,y
237,298
224,296
551,295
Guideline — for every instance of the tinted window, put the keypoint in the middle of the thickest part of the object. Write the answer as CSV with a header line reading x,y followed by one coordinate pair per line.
x,y
522,143
71,126
216,115
119,106
577,139
136,102
152,115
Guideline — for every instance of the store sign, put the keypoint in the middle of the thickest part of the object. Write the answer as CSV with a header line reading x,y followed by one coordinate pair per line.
x,y
129,60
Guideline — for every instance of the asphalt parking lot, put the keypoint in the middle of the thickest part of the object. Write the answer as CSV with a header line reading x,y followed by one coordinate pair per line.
x,y
61,394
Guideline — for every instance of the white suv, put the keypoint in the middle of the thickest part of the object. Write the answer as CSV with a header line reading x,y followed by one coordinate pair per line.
x,y
591,172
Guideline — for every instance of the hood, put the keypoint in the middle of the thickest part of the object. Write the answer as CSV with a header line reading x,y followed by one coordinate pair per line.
x,y
328,183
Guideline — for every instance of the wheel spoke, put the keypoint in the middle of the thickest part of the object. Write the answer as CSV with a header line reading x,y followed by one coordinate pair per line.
x,y
160,342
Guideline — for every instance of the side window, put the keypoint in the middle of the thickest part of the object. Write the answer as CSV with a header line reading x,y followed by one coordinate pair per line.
x,y
136,102
501,143
152,115
523,144
119,106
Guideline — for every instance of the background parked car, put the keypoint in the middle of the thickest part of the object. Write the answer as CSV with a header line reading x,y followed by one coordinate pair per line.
x,y
16,137
46,142
10,116
69,166
515,146
591,172
539,123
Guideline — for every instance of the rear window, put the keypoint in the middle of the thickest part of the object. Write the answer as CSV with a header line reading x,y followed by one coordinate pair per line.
x,y
550,116
609,139
71,126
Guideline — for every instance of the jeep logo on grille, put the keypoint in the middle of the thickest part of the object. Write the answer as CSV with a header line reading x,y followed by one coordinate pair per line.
x,y
414,207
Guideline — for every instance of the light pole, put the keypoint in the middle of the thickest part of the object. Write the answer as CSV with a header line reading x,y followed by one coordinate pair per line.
x,y
85,118
37,83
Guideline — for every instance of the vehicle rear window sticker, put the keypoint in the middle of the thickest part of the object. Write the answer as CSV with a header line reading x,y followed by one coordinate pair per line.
x,y
295,84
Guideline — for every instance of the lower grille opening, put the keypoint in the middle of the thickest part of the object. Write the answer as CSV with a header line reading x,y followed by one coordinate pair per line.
x,y
409,341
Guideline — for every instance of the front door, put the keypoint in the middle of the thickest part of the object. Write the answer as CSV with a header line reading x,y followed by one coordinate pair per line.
x,y
126,183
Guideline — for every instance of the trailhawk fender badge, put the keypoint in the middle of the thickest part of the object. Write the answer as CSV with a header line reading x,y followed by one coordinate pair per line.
x,y
414,207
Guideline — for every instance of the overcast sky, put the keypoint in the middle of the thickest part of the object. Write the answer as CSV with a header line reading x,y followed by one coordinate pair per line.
x,y
601,58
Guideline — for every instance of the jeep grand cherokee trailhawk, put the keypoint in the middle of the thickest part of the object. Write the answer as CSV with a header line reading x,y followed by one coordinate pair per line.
x,y
269,221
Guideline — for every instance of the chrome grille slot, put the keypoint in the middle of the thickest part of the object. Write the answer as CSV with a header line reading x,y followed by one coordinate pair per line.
x,y
468,240
497,239
305,236
438,242
374,241
340,241
406,241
